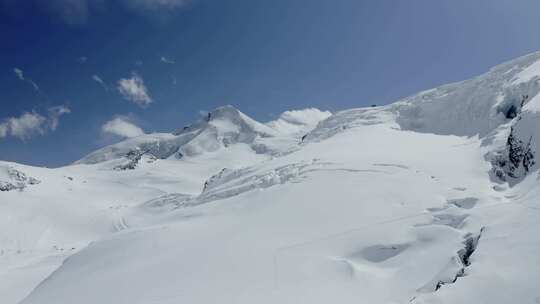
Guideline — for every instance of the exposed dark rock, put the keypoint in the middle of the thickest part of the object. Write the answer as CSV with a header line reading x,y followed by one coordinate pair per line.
x,y
17,180
519,155
516,161
134,157
5,186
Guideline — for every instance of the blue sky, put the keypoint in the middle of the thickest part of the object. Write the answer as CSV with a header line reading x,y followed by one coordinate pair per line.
x,y
175,58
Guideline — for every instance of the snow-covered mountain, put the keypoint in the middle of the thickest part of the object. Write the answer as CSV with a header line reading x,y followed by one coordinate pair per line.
x,y
432,199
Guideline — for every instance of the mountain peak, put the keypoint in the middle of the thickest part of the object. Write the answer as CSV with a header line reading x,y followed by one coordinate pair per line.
x,y
224,111
223,127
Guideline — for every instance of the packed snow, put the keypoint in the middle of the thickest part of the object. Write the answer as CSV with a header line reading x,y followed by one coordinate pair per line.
x,y
432,199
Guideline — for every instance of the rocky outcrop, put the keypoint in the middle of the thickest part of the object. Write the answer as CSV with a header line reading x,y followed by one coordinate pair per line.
x,y
16,180
134,158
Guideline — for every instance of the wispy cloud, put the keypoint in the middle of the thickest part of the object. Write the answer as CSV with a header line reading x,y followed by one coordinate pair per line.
x,y
20,74
133,89
167,60
32,123
54,115
82,59
98,79
122,126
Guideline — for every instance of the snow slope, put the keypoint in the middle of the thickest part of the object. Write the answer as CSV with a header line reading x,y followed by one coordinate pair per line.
x,y
432,199
298,122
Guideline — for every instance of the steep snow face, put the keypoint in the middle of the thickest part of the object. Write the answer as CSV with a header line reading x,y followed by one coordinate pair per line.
x,y
350,119
298,122
229,122
160,145
223,127
476,106
531,72
501,107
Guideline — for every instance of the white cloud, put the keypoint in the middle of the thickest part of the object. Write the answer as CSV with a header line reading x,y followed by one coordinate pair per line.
x,y
98,79
20,74
133,89
32,123
26,125
121,126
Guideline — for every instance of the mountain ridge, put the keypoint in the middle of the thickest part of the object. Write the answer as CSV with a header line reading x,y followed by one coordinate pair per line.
x,y
432,199
223,126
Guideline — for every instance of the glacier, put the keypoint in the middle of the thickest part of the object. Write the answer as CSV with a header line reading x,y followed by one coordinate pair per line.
x,y
432,199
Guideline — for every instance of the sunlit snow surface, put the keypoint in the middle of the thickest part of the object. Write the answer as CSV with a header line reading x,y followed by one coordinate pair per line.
x,y
390,204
